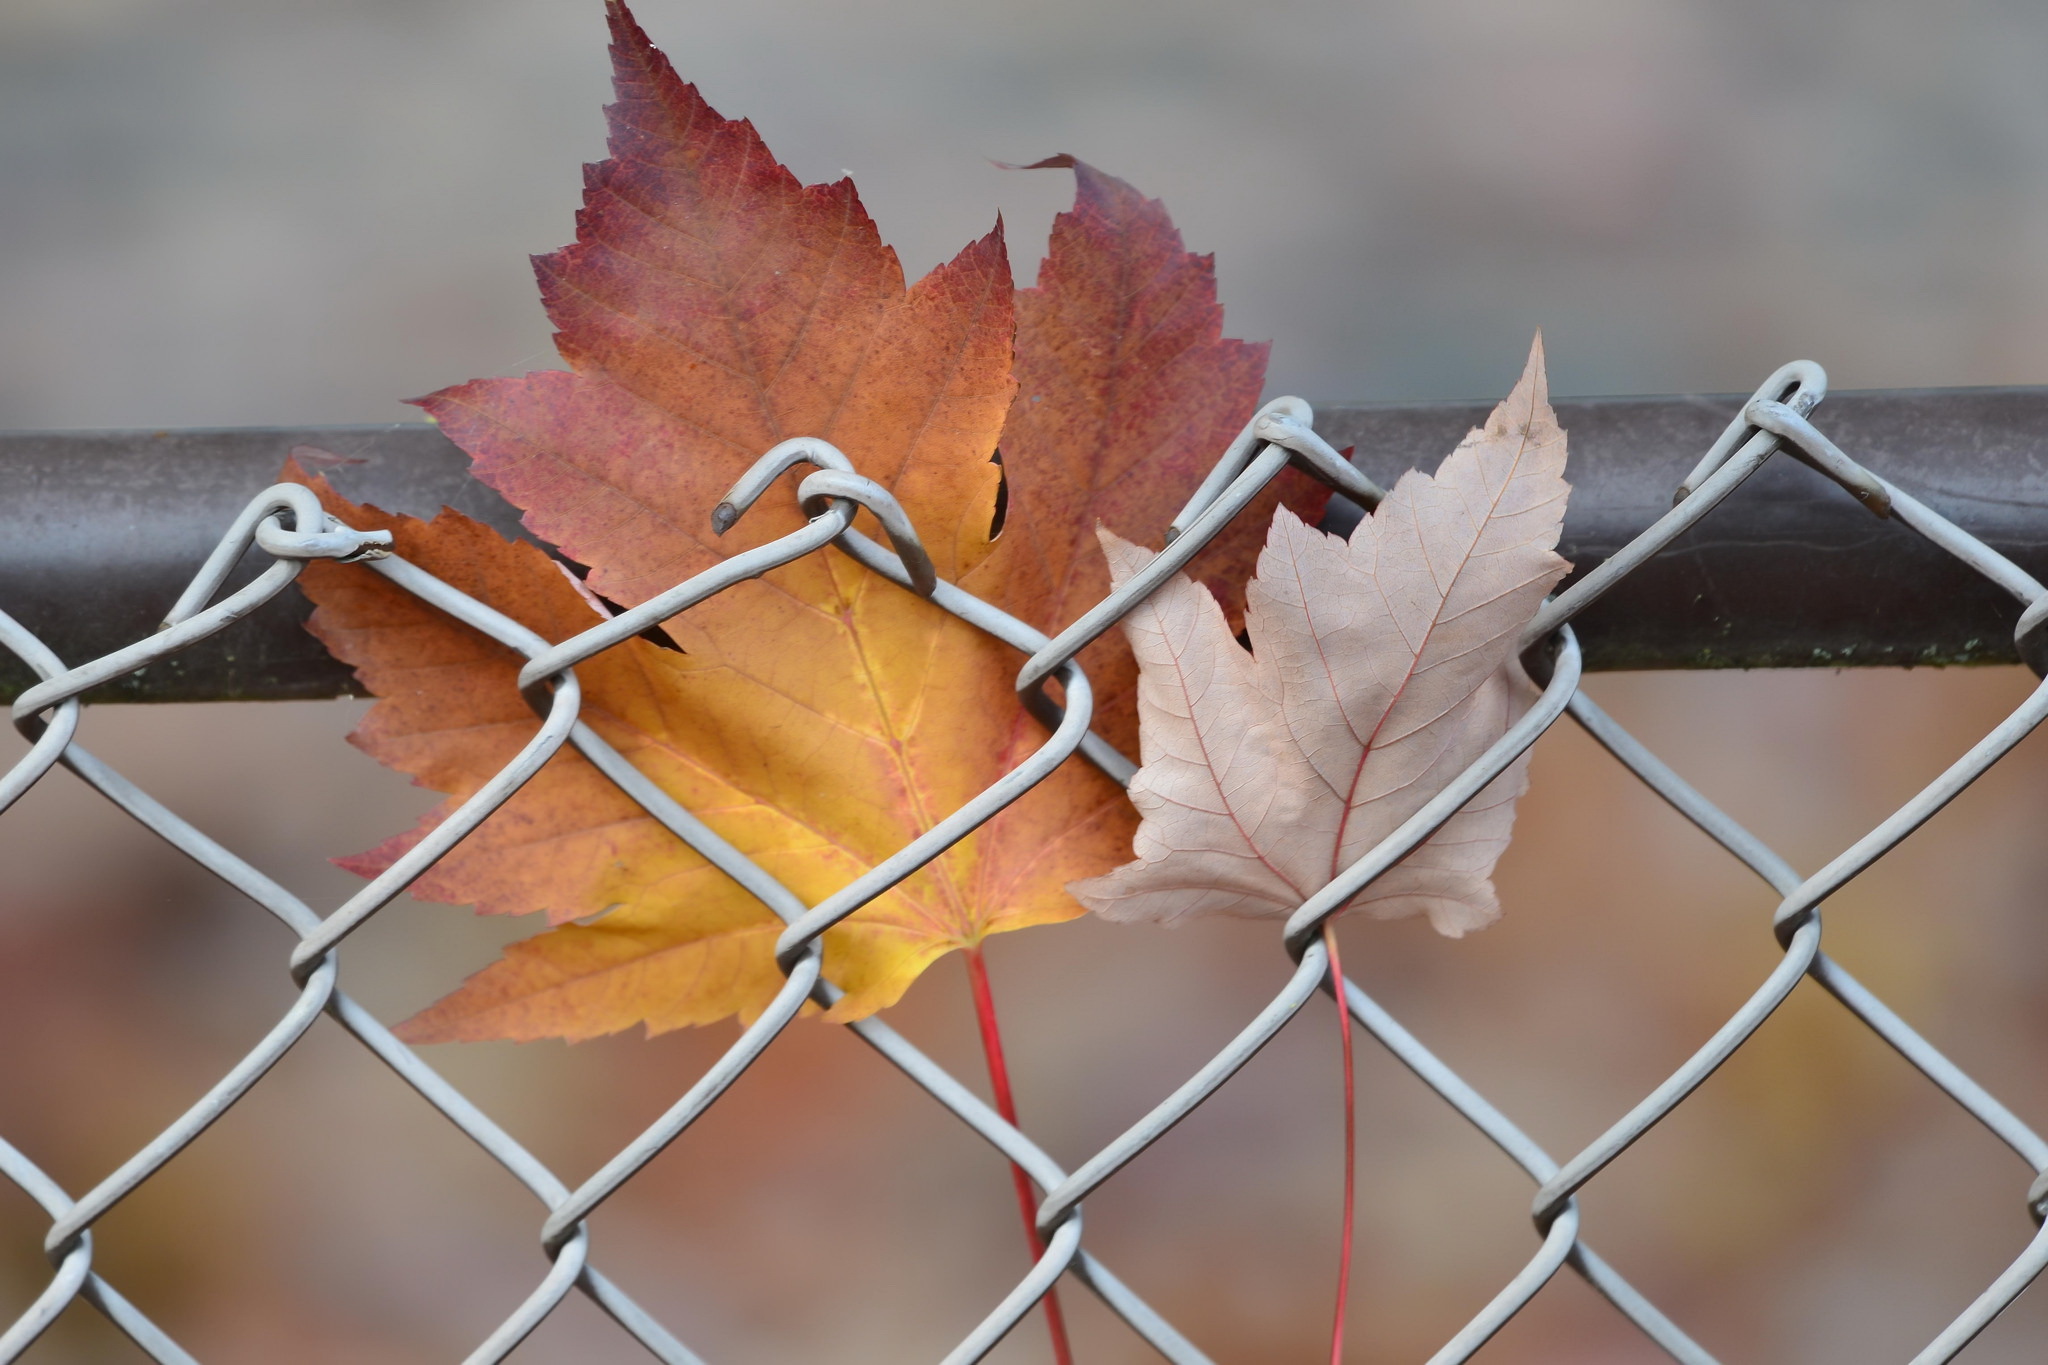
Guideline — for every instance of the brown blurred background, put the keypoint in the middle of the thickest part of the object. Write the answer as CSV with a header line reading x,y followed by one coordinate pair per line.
x,y
230,212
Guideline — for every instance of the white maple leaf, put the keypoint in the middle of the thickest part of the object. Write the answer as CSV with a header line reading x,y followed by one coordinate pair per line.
x,y
1380,668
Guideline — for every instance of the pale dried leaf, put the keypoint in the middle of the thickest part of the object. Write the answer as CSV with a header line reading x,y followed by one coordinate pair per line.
x,y
1380,668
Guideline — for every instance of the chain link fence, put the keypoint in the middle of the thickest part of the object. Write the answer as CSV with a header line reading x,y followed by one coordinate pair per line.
x,y
286,525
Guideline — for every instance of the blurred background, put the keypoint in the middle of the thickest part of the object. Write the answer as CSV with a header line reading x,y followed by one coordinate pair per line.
x,y
232,212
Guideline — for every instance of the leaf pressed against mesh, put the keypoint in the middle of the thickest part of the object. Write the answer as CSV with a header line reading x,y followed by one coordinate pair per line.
x,y
569,841
1380,668
820,718
1127,391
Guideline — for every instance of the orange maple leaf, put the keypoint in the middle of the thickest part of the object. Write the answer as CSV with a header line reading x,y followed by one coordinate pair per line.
x,y
819,718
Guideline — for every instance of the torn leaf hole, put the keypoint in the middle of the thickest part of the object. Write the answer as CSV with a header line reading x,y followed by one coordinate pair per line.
x,y
995,524
653,635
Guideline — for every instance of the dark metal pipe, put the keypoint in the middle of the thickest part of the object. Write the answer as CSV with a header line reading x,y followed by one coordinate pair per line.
x,y
99,530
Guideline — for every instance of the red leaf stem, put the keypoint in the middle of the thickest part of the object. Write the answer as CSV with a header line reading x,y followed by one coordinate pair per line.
x,y
1006,1105
1350,1141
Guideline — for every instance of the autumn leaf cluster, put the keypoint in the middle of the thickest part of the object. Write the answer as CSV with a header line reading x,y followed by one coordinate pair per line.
x,y
819,718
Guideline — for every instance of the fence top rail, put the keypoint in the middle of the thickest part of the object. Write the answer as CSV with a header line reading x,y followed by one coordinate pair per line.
x,y
97,529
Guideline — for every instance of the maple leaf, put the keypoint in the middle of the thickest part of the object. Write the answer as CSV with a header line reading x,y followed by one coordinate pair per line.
x,y
819,718
1380,668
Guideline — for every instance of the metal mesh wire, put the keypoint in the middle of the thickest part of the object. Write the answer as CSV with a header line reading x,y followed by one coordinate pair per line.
x,y
286,524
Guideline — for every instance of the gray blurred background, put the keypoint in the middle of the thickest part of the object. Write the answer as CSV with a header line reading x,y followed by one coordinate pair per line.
x,y
238,213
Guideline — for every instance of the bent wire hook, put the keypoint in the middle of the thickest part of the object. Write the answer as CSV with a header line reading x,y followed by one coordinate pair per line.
x,y
831,497
1279,434
835,487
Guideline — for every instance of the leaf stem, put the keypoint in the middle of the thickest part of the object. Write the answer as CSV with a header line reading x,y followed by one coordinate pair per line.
x,y
1350,1140
1006,1105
